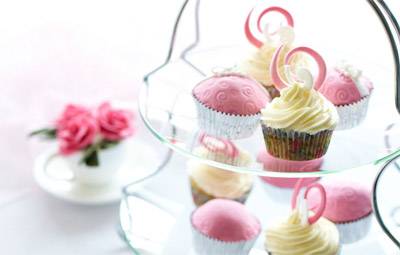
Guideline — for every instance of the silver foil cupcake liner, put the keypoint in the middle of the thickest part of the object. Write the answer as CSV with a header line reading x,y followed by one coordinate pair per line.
x,y
353,231
352,115
298,146
204,245
225,125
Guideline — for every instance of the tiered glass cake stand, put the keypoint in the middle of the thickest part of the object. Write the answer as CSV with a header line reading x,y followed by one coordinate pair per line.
x,y
154,224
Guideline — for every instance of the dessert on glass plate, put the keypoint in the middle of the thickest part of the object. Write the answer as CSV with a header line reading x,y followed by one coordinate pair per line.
x,y
304,233
298,125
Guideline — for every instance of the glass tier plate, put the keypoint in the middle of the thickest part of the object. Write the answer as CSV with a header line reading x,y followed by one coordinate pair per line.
x,y
168,110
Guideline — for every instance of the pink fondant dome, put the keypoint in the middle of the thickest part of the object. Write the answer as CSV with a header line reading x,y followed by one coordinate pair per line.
x,y
345,201
339,88
226,220
232,94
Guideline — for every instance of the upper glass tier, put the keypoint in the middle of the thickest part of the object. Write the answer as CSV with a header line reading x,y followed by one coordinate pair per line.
x,y
332,29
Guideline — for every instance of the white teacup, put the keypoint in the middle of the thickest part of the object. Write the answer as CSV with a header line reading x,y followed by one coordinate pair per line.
x,y
110,161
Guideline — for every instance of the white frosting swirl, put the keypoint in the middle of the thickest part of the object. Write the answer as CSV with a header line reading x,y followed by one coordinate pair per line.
x,y
293,237
300,109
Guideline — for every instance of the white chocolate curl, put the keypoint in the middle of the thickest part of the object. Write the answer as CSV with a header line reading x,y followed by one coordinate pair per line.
x,y
285,33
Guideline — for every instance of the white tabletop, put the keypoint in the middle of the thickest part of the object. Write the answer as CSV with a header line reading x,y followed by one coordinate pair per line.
x,y
54,52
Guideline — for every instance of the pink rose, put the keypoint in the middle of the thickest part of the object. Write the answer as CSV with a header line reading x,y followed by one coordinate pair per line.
x,y
76,133
114,124
71,111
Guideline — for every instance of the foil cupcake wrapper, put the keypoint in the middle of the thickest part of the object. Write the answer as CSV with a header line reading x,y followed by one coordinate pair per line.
x,y
351,232
201,197
352,115
297,146
226,125
204,245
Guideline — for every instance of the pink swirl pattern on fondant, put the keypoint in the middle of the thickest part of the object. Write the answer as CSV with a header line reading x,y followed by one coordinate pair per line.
x,y
346,201
226,220
232,94
340,89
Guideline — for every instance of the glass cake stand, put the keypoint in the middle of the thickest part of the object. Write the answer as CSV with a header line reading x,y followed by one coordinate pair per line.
x,y
168,111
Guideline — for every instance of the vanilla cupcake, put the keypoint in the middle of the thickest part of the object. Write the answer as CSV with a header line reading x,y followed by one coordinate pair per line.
x,y
301,234
209,182
299,124
258,64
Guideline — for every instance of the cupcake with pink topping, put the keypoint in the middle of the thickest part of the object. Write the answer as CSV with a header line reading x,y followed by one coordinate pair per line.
x,y
348,205
229,105
349,91
224,227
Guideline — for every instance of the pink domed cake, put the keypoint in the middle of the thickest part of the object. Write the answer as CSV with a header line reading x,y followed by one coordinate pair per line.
x,y
229,105
232,94
339,88
346,201
349,91
226,220
271,163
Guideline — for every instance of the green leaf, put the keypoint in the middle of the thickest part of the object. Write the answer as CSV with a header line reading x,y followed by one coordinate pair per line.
x,y
90,156
106,144
46,133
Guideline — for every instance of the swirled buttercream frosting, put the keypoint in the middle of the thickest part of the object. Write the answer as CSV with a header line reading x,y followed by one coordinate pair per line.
x,y
293,237
300,109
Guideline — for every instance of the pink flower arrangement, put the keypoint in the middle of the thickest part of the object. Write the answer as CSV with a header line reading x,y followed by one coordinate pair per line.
x,y
81,129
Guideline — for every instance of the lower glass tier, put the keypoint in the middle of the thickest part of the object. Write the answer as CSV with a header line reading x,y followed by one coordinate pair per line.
x,y
168,110
157,220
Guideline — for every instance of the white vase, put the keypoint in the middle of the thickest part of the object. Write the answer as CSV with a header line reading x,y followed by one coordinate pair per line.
x,y
110,161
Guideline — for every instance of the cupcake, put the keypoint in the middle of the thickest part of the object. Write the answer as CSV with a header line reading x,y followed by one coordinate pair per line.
x,y
221,150
301,234
349,91
271,163
348,205
209,182
299,124
224,227
229,105
258,64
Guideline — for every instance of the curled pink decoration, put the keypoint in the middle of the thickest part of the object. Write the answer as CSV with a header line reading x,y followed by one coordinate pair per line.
x,y
219,145
281,84
320,210
251,37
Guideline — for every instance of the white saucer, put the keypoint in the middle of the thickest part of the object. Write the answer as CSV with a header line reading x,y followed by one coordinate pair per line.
x,y
51,175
